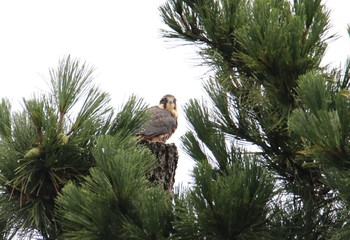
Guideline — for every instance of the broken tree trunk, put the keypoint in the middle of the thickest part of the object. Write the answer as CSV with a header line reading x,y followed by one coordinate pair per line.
x,y
167,158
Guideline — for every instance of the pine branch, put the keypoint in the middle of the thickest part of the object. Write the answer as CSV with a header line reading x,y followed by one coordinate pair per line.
x,y
116,200
5,119
69,83
258,51
39,156
219,207
130,117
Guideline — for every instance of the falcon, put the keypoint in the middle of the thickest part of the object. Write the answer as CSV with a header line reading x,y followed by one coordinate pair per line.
x,y
162,122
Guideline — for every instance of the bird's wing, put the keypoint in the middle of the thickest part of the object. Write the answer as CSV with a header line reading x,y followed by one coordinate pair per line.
x,y
161,122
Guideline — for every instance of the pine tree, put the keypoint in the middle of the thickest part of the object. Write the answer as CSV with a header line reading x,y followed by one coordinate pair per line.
x,y
259,51
116,201
72,169
325,110
52,143
45,146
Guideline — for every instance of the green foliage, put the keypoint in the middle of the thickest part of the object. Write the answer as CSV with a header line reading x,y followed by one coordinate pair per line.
x,y
211,24
325,110
116,201
46,145
5,118
59,141
264,46
230,205
69,83
282,42
292,34
130,118
258,50
229,201
206,131
322,121
271,39
70,168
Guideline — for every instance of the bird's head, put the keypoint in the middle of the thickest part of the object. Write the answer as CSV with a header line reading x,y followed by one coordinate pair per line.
x,y
168,102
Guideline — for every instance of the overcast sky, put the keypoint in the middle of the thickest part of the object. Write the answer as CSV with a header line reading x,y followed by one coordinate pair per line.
x,y
121,39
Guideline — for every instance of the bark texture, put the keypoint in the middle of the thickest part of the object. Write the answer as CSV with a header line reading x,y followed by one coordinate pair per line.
x,y
167,158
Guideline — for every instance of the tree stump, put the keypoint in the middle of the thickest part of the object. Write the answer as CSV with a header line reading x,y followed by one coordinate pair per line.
x,y
167,158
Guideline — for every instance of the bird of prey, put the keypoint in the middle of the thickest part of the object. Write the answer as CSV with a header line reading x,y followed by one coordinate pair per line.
x,y
162,122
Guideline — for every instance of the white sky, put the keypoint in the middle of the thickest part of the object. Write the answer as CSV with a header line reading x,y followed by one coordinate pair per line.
x,y
122,40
